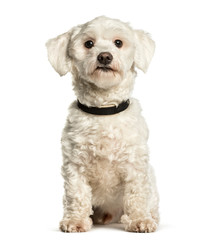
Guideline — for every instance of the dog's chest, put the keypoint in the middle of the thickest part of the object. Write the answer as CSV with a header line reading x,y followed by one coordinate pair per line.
x,y
92,138
104,139
97,143
107,148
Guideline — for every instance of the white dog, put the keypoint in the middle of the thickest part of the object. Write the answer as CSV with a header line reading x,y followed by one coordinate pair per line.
x,y
105,156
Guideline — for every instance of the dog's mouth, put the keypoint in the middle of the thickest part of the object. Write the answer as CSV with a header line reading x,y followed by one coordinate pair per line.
x,y
104,69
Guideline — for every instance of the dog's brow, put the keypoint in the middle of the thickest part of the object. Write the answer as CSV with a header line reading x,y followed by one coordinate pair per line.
x,y
90,35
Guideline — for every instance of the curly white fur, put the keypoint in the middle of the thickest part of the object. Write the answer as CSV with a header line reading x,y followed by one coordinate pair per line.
x,y
106,167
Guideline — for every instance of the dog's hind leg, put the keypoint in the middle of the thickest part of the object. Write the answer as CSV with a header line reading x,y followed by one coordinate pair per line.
x,y
105,216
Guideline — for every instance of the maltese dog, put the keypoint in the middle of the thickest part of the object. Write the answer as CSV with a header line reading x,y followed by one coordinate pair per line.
x,y
106,170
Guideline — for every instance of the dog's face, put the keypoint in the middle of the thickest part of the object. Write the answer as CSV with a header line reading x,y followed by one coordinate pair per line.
x,y
101,52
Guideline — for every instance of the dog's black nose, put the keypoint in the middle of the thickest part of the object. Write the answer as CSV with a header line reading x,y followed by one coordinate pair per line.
x,y
105,58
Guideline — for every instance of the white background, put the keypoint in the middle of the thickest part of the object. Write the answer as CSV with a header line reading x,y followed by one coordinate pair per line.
x,y
34,102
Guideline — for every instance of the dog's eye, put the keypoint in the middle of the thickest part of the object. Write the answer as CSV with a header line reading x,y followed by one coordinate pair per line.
x,y
118,43
89,44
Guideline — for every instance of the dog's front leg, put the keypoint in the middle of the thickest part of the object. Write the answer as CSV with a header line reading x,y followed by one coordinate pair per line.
x,y
77,201
138,202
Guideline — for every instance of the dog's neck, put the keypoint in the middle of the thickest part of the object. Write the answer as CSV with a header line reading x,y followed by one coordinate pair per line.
x,y
92,96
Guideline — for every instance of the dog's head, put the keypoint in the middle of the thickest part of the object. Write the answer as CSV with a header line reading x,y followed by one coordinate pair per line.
x,y
102,51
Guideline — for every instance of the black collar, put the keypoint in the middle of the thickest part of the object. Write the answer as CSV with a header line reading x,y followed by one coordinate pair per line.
x,y
104,110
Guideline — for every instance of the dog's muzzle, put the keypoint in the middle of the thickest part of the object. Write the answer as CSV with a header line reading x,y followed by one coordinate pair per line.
x,y
104,58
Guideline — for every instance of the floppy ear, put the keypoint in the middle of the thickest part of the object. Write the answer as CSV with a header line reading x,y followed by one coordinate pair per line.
x,y
144,49
57,53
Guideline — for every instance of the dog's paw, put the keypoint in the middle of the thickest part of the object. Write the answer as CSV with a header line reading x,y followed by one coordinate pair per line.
x,y
146,225
83,225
